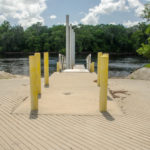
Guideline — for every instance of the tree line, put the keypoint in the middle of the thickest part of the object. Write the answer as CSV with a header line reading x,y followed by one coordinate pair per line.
x,y
106,38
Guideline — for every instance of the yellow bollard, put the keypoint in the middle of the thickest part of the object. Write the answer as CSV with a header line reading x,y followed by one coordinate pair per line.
x,y
33,90
92,67
98,68
106,54
38,71
58,66
46,69
103,82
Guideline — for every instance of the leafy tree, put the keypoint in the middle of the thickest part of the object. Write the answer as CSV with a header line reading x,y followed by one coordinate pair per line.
x,y
89,39
145,47
57,38
146,12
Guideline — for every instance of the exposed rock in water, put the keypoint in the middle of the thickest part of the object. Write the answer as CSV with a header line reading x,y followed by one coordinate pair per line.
x,y
140,74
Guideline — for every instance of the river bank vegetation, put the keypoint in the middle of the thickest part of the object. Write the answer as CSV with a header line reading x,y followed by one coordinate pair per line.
x,y
107,38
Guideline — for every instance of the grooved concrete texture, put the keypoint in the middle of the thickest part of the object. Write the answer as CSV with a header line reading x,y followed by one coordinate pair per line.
x,y
128,131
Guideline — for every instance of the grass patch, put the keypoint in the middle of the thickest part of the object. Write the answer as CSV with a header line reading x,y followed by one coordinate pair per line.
x,y
147,66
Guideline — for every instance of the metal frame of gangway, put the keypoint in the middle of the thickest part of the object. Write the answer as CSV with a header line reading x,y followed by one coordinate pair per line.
x,y
68,61
70,45
61,64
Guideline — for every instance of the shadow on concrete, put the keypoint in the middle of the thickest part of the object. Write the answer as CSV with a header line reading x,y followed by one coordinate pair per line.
x,y
39,96
34,114
109,98
108,116
46,86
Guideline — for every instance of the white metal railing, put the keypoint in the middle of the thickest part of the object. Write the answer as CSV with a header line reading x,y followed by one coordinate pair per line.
x,y
62,61
88,62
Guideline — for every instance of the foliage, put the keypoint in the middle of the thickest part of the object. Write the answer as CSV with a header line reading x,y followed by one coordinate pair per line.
x,y
147,66
146,12
145,47
106,38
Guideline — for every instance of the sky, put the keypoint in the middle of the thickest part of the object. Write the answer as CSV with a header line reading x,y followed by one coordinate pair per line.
x,y
53,12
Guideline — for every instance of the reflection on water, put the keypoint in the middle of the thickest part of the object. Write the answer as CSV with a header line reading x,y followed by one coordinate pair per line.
x,y
118,67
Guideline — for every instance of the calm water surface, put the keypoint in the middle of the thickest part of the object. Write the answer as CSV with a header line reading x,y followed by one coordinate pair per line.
x,y
118,67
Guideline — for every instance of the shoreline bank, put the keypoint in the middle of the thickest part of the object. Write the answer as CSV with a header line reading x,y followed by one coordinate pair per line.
x,y
139,74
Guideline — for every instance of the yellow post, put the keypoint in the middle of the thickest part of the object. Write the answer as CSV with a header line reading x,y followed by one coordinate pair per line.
x,y
58,66
92,67
98,67
103,82
46,69
38,71
106,54
33,90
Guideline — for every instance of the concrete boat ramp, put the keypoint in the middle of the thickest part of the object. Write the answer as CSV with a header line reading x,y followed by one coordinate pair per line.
x,y
73,93
69,117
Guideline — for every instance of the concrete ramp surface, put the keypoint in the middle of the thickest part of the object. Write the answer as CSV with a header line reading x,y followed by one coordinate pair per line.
x,y
69,93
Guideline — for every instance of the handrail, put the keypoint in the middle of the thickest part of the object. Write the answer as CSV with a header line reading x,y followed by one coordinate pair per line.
x,y
88,62
62,61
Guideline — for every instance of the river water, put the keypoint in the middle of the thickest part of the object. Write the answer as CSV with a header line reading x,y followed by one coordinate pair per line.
x,y
118,66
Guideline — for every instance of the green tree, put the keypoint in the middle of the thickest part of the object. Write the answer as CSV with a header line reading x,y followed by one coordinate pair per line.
x,y
145,47
146,12
89,38
57,38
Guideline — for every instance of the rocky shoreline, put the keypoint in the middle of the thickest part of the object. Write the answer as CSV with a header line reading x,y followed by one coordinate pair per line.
x,y
6,75
140,74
